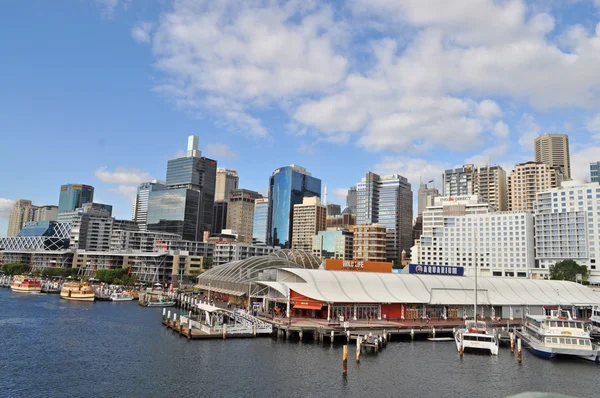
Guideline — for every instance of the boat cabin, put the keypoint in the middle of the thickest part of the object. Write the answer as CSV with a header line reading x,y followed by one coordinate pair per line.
x,y
479,337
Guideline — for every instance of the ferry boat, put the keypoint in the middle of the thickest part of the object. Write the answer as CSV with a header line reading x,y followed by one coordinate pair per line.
x,y
77,292
160,303
595,323
558,335
25,284
476,338
123,296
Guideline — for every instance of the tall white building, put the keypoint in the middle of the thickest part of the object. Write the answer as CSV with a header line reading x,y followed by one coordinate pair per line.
x,y
140,207
458,181
567,226
309,218
464,231
227,181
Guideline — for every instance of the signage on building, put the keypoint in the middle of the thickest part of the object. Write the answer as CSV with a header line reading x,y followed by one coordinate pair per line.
x,y
454,198
435,270
357,265
353,264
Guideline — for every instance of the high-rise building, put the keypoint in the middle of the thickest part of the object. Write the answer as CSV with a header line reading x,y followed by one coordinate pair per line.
x,y
333,243
426,196
458,181
73,196
567,227
309,218
595,171
553,150
18,215
387,201
227,181
288,186
351,199
489,184
261,220
344,220
369,242
526,180
45,213
219,222
240,213
98,209
185,207
333,209
140,213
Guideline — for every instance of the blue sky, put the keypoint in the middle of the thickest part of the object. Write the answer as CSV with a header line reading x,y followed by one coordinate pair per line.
x,y
104,92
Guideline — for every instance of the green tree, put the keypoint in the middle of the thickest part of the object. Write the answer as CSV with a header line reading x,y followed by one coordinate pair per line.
x,y
111,275
567,270
15,268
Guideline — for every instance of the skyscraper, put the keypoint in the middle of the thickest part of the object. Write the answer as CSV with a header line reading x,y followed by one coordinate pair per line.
x,y
240,213
227,181
351,199
387,201
426,196
73,196
310,217
333,209
458,181
287,187
489,183
19,214
526,180
261,221
140,213
185,207
553,150
219,222
595,171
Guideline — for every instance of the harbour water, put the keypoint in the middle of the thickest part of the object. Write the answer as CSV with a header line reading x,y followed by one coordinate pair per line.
x,y
50,347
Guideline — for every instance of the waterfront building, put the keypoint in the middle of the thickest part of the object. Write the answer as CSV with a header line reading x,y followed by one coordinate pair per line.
x,y
526,180
240,213
122,240
140,212
458,181
219,222
489,184
352,199
288,186
92,209
185,207
387,201
468,232
309,218
19,214
595,172
261,220
567,227
344,220
225,252
333,209
73,196
226,181
369,242
553,150
333,243
93,233
425,197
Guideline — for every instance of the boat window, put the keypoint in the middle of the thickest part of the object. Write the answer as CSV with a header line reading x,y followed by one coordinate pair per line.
x,y
581,342
567,341
553,324
555,340
562,340
587,342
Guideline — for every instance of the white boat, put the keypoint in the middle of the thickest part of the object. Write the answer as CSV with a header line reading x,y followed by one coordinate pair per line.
x,y
558,335
160,303
123,296
595,323
476,337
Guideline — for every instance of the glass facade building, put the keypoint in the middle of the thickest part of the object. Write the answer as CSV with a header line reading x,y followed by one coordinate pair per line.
x,y
140,213
73,196
287,187
219,222
176,211
595,171
261,219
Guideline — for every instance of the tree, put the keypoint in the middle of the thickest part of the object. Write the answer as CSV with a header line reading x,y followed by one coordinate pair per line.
x,y
15,268
567,270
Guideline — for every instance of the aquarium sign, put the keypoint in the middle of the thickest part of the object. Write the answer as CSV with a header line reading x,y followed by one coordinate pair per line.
x,y
435,270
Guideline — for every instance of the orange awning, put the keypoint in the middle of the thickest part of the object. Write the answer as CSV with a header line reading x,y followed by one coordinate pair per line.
x,y
307,306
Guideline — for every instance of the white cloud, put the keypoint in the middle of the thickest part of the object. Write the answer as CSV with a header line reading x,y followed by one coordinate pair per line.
x,y
109,6
490,110
307,149
414,169
493,155
220,150
141,31
6,206
528,130
122,175
126,191
580,162
340,194
593,125
501,130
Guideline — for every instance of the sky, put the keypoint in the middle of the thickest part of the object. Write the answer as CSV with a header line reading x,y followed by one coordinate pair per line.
x,y
104,92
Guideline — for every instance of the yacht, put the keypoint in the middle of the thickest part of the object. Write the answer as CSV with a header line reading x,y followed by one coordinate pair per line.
x,y
558,335
77,292
123,296
476,337
25,284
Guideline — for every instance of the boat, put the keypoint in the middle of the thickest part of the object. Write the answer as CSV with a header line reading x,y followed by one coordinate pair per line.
x,y
161,302
558,335
123,296
594,329
77,292
25,284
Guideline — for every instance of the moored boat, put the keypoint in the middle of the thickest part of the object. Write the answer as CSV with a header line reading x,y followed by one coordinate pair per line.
x,y
475,337
558,335
123,296
77,292
160,303
595,323
25,284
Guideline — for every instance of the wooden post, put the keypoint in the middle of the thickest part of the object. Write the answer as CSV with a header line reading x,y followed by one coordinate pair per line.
x,y
347,337
433,331
358,344
332,337
168,316
254,329
164,312
224,330
345,361
300,335
412,334
512,342
461,347
519,352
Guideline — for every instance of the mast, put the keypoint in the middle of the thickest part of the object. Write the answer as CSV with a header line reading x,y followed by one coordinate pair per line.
x,y
475,264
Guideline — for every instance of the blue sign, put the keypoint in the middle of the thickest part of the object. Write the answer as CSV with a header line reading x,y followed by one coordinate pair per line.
x,y
435,270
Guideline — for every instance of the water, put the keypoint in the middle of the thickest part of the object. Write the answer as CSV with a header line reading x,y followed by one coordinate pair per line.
x,y
50,347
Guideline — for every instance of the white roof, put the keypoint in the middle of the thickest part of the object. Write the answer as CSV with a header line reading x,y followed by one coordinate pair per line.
x,y
370,287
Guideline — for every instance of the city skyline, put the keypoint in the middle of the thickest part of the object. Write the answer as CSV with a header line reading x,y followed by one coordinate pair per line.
x,y
115,127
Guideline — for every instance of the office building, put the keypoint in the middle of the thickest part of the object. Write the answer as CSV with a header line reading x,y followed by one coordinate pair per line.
x,y
240,213
140,212
387,201
333,243
567,227
344,220
595,172
226,181
369,243
458,181
219,222
261,220
123,240
19,214
226,252
553,150
351,199
288,186
425,197
309,218
185,207
95,209
489,184
45,213
73,196
526,180
468,232
333,209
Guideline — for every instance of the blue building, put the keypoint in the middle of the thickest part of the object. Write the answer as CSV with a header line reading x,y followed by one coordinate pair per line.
x,y
140,208
261,221
73,196
287,187
334,243
595,171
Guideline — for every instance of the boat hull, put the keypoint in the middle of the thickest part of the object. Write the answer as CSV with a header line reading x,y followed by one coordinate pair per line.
x,y
165,304
21,289
78,298
543,351
476,347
